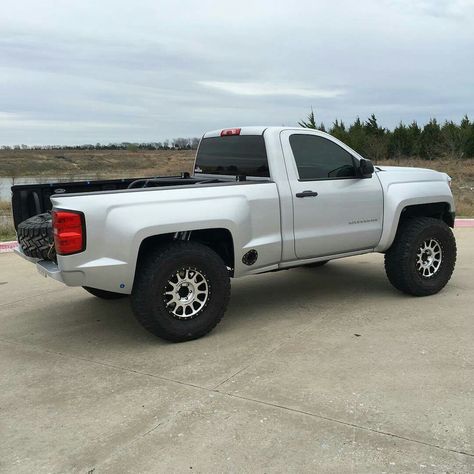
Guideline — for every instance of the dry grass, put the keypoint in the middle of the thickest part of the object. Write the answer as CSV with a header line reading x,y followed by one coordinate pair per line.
x,y
94,162
7,232
4,207
121,163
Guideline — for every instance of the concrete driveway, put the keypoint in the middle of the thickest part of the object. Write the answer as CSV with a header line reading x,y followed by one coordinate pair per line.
x,y
312,370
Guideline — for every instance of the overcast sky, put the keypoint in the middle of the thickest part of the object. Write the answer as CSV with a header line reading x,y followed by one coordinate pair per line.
x,y
89,71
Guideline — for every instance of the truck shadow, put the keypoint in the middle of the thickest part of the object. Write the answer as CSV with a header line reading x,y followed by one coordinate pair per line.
x,y
308,287
254,300
279,292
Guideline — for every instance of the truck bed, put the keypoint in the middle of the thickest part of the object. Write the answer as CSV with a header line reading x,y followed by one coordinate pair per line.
x,y
31,199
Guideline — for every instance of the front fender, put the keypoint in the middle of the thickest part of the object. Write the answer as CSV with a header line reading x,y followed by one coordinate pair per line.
x,y
401,195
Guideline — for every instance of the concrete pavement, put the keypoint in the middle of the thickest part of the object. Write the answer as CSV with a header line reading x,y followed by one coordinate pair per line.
x,y
312,370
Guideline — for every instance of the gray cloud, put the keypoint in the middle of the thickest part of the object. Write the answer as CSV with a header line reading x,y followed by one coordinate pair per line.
x,y
75,72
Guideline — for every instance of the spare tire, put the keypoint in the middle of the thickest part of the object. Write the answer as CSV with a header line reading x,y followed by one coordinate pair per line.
x,y
35,236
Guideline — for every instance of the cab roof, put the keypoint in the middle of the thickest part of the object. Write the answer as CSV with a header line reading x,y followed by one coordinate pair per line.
x,y
252,130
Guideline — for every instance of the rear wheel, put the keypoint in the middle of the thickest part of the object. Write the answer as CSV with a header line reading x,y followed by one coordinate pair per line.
x,y
105,295
421,260
181,291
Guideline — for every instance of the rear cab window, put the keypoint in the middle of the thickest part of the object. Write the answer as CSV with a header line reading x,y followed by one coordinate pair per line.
x,y
236,155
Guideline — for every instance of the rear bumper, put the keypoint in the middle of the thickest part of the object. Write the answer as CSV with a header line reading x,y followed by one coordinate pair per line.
x,y
50,269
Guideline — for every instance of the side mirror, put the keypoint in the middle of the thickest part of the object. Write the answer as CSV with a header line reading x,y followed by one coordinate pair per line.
x,y
366,168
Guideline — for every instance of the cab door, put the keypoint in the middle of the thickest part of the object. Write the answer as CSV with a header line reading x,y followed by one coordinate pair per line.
x,y
334,210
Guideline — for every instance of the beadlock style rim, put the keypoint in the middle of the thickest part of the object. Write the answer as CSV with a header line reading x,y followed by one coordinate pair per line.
x,y
186,293
428,258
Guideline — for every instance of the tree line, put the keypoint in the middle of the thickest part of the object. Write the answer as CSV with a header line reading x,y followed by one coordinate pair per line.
x,y
448,140
175,143
433,140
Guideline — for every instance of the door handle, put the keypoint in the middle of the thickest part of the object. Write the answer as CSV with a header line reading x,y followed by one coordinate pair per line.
x,y
306,194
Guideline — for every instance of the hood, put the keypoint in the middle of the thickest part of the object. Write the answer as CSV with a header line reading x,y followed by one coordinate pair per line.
x,y
408,174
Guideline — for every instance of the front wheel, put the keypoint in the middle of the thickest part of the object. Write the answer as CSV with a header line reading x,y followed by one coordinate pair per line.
x,y
421,260
181,291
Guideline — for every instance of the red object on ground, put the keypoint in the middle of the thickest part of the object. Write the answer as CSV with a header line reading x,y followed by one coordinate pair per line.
x,y
8,246
464,223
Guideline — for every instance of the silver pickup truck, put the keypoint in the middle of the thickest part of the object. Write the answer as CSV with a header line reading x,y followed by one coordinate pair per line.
x,y
260,199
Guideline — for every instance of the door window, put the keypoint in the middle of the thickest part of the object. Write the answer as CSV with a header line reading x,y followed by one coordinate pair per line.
x,y
320,158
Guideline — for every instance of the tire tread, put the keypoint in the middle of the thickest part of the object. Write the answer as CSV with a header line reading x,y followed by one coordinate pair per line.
x,y
397,258
35,236
146,272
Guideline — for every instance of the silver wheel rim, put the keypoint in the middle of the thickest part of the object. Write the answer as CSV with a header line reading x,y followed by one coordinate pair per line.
x,y
186,293
428,258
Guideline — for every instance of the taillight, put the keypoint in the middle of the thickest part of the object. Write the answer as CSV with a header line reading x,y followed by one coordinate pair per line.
x,y
230,131
69,232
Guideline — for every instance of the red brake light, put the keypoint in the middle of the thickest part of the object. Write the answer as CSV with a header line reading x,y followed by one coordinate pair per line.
x,y
69,232
230,131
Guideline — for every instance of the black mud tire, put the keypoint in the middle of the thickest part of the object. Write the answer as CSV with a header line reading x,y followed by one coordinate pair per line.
x,y
317,264
400,259
105,295
153,274
35,236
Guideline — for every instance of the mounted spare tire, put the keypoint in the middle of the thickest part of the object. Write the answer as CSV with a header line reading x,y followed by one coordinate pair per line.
x,y
35,236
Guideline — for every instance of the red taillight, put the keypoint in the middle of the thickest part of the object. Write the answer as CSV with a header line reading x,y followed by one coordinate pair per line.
x,y
69,232
230,131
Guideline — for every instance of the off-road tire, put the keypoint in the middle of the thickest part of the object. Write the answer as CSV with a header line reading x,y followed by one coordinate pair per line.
x,y
35,236
105,295
153,274
400,259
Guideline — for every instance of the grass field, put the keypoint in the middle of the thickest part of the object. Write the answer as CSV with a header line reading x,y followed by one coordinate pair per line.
x,y
120,163
94,162
6,226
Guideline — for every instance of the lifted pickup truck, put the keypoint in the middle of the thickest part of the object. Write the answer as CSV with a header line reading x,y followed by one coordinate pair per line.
x,y
260,199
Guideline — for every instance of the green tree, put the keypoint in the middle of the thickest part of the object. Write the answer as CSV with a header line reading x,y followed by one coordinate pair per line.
x,y
399,142
454,138
431,140
414,134
339,131
372,128
310,122
357,138
451,140
376,139
467,130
